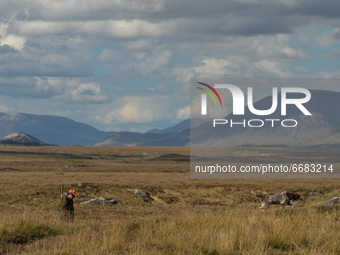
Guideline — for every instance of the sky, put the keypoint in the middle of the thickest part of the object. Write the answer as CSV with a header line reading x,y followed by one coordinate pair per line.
x,y
126,65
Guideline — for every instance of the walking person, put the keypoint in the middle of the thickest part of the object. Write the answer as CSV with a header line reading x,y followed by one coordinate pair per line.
x,y
66,208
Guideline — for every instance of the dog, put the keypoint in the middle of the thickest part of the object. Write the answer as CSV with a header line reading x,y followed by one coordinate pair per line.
x,y
282,198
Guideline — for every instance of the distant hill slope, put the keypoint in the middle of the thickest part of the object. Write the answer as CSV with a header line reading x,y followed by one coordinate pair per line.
x,y
51,129
21,138
147,139
183,125
329,138
177,135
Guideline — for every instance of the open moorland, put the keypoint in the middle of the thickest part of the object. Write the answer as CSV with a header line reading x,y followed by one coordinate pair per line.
x,y
179,216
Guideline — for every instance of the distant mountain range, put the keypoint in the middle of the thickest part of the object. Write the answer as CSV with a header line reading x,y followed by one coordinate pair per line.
x,y
63,131
183,125
177,135
51,129
180,138
320,129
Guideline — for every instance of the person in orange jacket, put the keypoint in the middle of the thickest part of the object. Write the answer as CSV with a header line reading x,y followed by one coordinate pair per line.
x,y
66,208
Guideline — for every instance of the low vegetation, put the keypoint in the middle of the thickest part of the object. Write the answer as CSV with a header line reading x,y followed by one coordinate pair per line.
x,y
181,215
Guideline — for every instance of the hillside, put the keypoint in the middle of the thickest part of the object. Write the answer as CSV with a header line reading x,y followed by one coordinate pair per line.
x,y
23,139
147,139
329,138
183,125
51,129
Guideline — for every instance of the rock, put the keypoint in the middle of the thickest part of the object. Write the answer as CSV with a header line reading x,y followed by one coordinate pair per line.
x,y
84,194
100,201
143,199
315,193
87,187
141,192
330,202
80,185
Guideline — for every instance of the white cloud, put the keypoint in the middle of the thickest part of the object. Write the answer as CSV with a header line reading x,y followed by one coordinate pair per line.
x,y
159,60
16,42
271,67
212,66
327,38
3,29
183,75
183,113
140,109
276,49
36,87
54,85
88,92
7,109
209,68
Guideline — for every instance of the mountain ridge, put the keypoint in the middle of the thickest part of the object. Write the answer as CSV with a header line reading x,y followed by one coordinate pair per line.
x,y
51,129
320,129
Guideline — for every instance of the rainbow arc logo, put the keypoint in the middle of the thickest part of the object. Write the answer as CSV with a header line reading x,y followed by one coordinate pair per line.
x,y
204,97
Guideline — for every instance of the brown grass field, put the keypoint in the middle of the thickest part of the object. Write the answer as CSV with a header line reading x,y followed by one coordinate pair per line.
x,y
181,215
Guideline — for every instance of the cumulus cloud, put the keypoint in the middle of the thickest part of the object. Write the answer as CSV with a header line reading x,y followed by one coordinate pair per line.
x,y
159,60
212,66
7,109
67,89
16,42
271,67
276,49
136,109
88,92
183,113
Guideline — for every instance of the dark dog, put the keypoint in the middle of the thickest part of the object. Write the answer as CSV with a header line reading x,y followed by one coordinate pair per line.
x,y
282,198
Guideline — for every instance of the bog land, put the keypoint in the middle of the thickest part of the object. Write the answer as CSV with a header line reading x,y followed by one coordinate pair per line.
x,y
179,216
